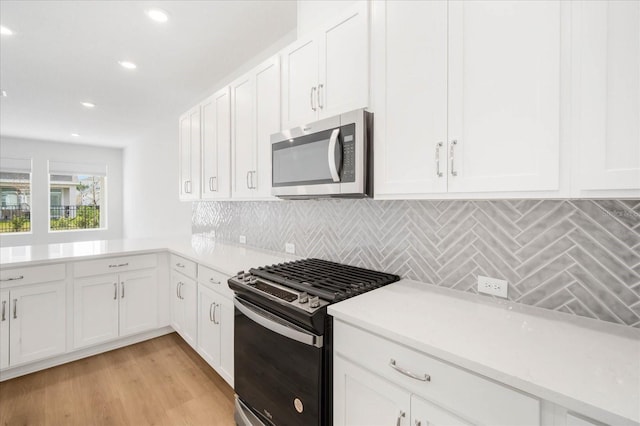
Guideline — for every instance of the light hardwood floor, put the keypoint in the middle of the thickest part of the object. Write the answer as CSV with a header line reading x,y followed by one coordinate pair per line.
x,y
158,382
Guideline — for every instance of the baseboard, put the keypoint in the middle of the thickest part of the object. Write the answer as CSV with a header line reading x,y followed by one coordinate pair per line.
x,y
21,370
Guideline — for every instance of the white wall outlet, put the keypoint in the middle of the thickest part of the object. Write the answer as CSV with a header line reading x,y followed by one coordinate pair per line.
x,y
243,239
493,286
290,248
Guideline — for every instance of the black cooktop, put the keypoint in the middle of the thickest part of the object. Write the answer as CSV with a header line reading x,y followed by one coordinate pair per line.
x,y
329,281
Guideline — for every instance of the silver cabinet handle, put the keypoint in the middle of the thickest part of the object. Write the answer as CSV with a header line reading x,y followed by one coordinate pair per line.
x,y
4,310
15,308
180,284
122,294
115,291
313,90
188,191
13,278
320,87
248,184
331,155
178,290
401,416
253,175
438,172
215,308
184,187
451,157
119,265
421,377
211,187
180,265
210,310
211,280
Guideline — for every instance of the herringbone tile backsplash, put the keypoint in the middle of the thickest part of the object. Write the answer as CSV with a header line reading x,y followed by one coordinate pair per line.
x,y
576,256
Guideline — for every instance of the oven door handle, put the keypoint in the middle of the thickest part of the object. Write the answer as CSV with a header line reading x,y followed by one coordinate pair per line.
x,y
281,327
331,155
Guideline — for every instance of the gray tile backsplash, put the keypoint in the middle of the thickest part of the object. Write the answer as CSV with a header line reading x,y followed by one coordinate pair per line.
x,y
576,256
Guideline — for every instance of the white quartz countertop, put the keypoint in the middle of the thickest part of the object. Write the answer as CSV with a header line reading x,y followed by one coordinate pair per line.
x,y
226,258
574,364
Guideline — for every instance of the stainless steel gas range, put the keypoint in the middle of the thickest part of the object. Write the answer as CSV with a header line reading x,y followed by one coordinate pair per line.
x,y
283,338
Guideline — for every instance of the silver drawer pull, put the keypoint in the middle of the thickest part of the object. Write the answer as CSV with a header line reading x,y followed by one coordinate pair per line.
x,y
15,308
421,377
4,310
179,265
13,278
401,415
213,281
120,265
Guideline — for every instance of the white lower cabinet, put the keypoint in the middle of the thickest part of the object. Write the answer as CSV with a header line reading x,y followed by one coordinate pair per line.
x,y
215,331
32,323
379,382
184,307
114,305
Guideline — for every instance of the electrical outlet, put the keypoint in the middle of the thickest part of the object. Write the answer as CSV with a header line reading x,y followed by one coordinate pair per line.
x,y
493,286
290,248
243,239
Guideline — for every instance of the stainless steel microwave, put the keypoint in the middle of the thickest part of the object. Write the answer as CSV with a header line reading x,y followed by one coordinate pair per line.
x,y
328,158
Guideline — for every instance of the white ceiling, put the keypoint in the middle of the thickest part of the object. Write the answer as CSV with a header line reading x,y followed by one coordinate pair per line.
x,y
65,52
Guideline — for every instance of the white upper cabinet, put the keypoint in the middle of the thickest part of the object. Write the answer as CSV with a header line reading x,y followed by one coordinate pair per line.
x,y
216,146
189,153
327,73
255,106
504,95
607,96
410,102
466,97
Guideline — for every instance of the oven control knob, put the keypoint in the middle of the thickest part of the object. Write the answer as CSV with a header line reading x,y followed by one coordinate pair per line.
x,y
314,301
240,274
303,298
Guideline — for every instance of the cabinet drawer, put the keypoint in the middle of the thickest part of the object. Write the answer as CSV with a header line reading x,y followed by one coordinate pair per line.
x,y
184,266
214,280
32,274
114,265
468,395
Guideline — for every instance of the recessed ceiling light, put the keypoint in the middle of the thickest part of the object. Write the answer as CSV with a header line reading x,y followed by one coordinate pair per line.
x,y
88,104
4,94
128,65
75,135
158,15
5,31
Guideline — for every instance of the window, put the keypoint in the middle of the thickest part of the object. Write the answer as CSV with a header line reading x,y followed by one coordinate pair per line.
x,y
15,195
77,196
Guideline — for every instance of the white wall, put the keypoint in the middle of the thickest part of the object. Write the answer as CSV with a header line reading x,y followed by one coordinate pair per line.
x,y
151,207
313,13
41,152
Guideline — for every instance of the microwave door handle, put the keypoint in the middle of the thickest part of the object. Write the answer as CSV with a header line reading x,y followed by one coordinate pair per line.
x,y
331,155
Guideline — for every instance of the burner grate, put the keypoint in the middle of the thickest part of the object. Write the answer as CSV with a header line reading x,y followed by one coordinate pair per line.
x,y
328,280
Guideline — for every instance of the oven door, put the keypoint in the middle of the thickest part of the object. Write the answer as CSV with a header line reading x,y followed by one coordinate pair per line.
x,y
278,367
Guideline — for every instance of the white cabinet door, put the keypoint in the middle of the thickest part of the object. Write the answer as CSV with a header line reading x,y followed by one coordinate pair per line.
x,y
95,310
38,326
425,413
363,399
607,95
208,326
189,295
300,83
267,108
243,136
344,63
410,103
225,315
504,95
190,155
216,145
138,301
4,329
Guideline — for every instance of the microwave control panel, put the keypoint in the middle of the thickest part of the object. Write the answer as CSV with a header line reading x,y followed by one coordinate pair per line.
x,y
348,173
